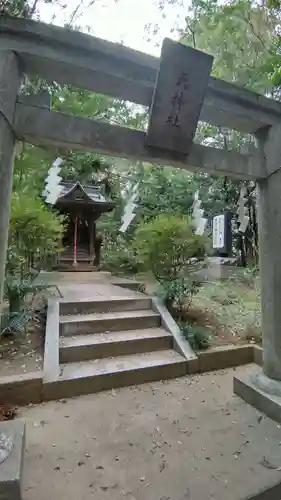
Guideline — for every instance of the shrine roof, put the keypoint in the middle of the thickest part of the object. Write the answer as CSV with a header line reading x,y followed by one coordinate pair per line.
x,y
90,198
91,194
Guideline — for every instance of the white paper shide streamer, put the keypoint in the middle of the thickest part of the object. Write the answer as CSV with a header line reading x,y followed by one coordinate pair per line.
x,y
52,184
130,206
243,219
197,213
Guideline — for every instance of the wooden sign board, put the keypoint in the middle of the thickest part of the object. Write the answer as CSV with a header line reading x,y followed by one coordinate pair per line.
x,y
178,96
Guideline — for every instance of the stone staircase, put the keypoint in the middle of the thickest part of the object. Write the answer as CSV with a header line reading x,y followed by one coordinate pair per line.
x,y
104,344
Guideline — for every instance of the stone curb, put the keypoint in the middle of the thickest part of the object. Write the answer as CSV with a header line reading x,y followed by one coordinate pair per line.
x,y
222,357
180,344
21,389
51,367
28,388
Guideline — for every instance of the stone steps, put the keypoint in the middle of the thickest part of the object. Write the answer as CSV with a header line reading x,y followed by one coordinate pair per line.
x,y
81,267
71,278
108,341
106,345
102,374
105,322
81,257
115,304
126,283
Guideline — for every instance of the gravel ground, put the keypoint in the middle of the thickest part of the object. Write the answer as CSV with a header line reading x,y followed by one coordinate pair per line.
x,y
185,439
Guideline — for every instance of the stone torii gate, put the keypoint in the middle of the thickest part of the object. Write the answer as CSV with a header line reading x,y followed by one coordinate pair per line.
x,y
178,91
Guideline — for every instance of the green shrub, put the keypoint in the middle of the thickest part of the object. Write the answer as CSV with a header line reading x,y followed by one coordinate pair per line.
x,y
177,293
166,244
16,323
250,275
198,337
119,257
17,288
223,298
21,311
35,232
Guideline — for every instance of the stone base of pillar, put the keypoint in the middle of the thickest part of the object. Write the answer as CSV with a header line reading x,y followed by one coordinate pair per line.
x,y
260,391
11,463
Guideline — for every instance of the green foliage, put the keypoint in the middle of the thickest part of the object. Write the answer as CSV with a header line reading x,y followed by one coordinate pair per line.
x,y
239,34
24,8
250,275
16,323
177,293
274,4
119,257
83,167
252,271
17,8
223,296
80,102
166,190
16,289
238,317
35,232
197,337
165,245
163,190
19,288
98,106
30,168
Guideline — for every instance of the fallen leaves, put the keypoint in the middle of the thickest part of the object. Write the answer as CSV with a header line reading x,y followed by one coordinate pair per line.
x,y
7,412
109,487
268,465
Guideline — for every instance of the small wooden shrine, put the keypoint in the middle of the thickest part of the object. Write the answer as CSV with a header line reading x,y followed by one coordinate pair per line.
x,y
82,205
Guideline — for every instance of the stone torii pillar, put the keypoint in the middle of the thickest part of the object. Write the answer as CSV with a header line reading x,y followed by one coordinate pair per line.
x,y
262,388
10,79
269,223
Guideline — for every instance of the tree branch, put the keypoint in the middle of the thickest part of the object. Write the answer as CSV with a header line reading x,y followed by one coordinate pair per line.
x,y
74,13
33,8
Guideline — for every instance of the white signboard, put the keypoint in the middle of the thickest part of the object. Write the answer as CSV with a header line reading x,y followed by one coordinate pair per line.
x,y
218,231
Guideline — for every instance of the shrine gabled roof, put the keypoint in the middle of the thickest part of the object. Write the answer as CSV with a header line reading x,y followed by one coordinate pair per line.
x,y
90,194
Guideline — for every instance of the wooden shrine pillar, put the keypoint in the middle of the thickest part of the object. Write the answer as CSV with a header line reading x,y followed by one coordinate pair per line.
x,y
10,79
269,224
91,222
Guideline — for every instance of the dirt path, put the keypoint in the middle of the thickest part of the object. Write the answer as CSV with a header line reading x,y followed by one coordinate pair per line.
x,y
187,439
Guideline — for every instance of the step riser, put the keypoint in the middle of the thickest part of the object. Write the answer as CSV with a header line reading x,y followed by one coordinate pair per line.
x,y
107,350
81,268
77,387
104,306
134,285
94,277
108,325
79,258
